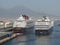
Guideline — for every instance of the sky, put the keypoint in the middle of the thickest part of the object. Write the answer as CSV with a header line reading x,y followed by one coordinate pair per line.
x,y
42,6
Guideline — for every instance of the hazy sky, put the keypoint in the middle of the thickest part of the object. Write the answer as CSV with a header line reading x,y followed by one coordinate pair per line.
x,y
43,6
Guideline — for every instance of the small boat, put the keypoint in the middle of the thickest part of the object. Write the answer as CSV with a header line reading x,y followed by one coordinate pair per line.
x,y
22,23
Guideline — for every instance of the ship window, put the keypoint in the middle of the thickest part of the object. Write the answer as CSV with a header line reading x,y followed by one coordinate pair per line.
x,y
43,23
19,21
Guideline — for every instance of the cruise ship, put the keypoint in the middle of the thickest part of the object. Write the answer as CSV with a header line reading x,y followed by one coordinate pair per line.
x,y
44,25
22,23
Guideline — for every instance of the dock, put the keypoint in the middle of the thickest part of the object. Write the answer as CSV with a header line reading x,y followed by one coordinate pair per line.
x,y
7,38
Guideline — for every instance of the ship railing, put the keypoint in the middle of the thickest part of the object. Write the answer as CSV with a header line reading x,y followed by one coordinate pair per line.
x,y
42,26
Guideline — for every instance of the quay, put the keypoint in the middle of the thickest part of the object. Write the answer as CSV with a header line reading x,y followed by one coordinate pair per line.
x,y
5,33
4,38
7,38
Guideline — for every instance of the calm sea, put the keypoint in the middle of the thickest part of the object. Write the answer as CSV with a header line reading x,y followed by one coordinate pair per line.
x,y
31,39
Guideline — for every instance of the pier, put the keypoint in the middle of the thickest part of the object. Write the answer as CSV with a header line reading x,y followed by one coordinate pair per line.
x,y
7,38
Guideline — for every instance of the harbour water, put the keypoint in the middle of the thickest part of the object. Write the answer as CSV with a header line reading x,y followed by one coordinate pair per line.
x,y
31,39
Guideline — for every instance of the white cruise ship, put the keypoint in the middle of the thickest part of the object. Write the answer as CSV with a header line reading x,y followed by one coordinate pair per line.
x,y
44,25
22,23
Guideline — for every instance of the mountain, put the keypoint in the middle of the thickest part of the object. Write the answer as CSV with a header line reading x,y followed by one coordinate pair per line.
x,y
17,11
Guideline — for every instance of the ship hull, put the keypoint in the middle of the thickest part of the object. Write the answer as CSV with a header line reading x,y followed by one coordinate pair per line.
x,y
44,32
22,30
18,30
